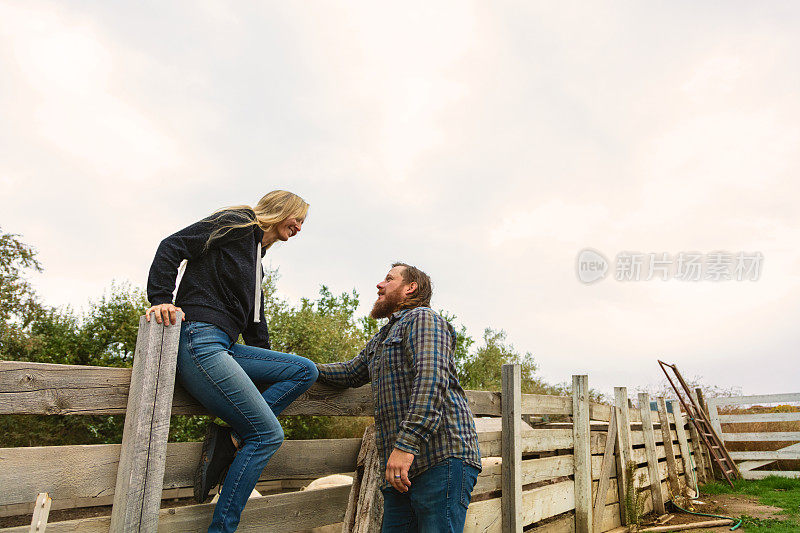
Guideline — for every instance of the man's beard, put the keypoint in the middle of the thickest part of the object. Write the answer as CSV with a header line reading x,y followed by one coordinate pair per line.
x,y
384,308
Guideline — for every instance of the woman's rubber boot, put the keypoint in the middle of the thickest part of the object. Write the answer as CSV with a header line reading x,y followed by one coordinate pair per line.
x,y
217,455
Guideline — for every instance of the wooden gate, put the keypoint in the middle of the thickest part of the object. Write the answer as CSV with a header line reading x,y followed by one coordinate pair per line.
x,y
749,446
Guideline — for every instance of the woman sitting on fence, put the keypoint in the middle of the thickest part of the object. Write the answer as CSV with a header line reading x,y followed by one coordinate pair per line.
x,y
220,296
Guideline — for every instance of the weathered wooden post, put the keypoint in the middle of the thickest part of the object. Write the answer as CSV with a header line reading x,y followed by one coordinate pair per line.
x,y
140,475
698,449
669,450
651,453
582,454
625,446
365,504
511,448
606,468
711,469
41,510
683,443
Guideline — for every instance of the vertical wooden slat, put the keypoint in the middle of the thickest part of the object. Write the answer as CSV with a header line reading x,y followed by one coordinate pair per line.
x,y
364,511
650,452
683,444
511,449
606,467
669,450
699,398
713,416
41,511
624,444
140,474
582,454
697,453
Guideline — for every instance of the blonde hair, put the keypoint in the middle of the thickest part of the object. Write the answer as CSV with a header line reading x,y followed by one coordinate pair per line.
x,y
274,207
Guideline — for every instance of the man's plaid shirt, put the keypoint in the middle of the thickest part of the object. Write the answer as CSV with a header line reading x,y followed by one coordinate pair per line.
x,y
419,405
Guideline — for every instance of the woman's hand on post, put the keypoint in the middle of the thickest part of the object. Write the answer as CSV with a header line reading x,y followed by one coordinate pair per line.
x,y
166,313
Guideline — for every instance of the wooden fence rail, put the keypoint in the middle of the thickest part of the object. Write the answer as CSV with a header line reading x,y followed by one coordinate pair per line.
x,y
570,473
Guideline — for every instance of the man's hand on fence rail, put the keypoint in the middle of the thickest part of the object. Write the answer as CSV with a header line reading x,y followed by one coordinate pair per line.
x,y
166,313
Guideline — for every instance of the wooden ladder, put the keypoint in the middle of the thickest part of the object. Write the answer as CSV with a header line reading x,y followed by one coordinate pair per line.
x,y
698,417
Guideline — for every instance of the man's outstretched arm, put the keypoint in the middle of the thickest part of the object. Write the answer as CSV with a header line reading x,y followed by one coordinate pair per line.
x,y
352,373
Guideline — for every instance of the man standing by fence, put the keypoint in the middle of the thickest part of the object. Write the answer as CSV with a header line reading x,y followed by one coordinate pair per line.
x,y
424,428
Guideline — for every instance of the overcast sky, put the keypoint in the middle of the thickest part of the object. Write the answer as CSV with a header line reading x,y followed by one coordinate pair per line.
x,y
487,143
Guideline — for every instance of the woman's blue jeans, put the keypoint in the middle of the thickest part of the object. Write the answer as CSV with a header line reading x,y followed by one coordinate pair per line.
x,y
222,375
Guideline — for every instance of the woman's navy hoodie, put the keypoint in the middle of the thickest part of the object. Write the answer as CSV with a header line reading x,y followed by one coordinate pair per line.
x,y
218,284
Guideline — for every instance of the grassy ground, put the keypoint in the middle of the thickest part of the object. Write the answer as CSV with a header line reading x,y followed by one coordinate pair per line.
x,y
774,491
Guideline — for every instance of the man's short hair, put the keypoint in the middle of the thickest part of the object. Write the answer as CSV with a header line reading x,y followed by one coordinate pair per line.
x,y
422,296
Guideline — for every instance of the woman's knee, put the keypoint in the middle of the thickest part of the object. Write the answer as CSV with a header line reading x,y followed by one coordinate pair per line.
x,y
267,436
311,373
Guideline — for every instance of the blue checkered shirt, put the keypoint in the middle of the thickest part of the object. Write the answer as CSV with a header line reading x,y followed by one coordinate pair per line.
x,y
419,405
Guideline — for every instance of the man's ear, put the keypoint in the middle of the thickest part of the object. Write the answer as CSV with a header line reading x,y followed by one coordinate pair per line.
x,y
411,288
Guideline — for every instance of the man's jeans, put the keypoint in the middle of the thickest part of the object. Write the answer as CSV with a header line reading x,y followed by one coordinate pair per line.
x,y
222,375
436,502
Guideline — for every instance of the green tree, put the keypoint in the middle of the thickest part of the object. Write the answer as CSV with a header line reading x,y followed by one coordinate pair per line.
x,y
481,370
325,330
112,323
18,300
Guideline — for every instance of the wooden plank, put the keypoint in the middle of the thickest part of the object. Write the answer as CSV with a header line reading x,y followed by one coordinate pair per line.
x,y
777,455
546,404
642,469
40,513
481,403
537,504
766,436
606,470
89,471
533,471
693,526
761,474
600,411
512,448
650,450
545,502
533,441
582,453
562,524
757,399
624,441
305,510
52,389
760,417
683,444
749,465
140,476
669,451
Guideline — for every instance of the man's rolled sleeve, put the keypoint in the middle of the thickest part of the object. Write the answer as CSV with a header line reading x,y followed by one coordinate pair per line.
x,y
428,341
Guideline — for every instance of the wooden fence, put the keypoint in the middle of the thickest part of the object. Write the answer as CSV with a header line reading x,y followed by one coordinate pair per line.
x,y
560,476
749,460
